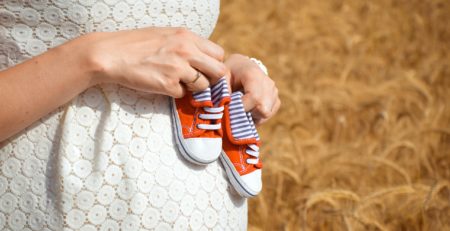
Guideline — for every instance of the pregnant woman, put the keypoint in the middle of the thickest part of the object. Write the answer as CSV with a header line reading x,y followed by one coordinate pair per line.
x,y
86,139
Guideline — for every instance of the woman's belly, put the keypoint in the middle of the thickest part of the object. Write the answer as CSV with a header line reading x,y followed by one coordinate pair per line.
x,y
108,161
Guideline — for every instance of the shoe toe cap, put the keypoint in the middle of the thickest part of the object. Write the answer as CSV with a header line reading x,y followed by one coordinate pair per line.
x,y
205,150
253,181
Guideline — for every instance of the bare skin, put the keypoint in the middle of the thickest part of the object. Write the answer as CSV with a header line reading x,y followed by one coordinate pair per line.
x,y
260,93
155,60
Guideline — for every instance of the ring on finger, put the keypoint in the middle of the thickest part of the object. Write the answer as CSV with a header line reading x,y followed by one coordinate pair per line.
x,y
197,76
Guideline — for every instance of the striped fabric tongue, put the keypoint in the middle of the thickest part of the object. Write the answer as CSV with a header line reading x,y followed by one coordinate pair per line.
x,y
216,93
219,91
202,96
252,124
242,126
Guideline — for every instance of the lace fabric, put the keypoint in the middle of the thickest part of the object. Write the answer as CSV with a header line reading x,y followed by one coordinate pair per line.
x,y
107,160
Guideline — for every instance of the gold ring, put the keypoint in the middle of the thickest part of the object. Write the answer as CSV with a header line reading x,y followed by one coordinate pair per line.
x,y
197,76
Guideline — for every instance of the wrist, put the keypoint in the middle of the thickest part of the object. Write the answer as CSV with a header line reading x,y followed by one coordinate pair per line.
x,y
260,65
85,60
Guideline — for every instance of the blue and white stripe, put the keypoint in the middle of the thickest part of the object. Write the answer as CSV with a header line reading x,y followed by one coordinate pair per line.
x,y
242,126
219,91
216,93
202,96
252,124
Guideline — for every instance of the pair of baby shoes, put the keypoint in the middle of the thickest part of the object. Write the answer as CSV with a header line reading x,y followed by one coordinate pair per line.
x,y
211,125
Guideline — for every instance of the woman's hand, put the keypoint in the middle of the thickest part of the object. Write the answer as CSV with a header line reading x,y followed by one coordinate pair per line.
x,y
260,93
156,60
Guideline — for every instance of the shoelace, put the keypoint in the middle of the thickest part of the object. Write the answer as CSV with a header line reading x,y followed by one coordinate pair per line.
x,y
215,113
215,94
243,127
253,151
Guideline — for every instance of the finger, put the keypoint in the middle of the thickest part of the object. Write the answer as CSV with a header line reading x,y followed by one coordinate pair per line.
x,y
262,111
275,98
249,102
275,108
177,91
259,122
210,67
211,49
262,107
269,103
195,80
206,46
259,119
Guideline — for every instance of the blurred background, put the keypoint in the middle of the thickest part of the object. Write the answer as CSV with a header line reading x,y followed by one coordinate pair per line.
x,y
362,141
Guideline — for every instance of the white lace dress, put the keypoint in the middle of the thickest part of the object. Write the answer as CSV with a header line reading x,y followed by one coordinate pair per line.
x,y
107,160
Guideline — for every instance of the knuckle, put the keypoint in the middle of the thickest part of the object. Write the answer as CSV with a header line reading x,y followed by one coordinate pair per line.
x,y
170,83
220,53
173,60
176,70
254,98
264,111
165,86
176,67
182,32
262,108
222,70
276,91
178,94
161,86
183,49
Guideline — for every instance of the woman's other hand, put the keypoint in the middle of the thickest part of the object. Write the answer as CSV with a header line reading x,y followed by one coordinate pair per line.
x,y
260,93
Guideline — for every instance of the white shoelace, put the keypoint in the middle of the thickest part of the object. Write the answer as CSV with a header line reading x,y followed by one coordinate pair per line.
x,y
253,151
214,94
215,113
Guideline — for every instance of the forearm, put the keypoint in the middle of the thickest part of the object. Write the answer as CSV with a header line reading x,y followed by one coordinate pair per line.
x,y
154,60
33,89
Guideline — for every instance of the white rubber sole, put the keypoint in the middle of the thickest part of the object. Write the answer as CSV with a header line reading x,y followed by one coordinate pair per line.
x,y
182,146
235,178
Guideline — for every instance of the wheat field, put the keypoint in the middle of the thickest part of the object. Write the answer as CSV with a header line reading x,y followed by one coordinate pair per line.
x,y
362,141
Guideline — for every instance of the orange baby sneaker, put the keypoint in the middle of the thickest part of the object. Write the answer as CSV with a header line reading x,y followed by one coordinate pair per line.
x,y
240,155
197,123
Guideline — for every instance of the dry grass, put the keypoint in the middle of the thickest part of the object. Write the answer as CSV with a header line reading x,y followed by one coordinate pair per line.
x,y
362,141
